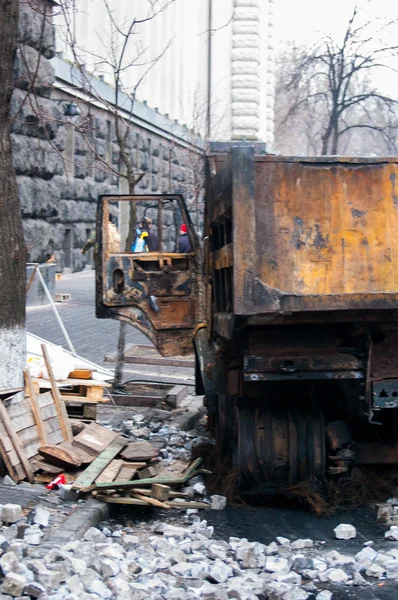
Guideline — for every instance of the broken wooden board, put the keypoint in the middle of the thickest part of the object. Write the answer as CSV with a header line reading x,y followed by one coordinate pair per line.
x,y
39,464
151,501
148,472
137,451
166,480
172,494
24,422
65,455
13,437
111,499
126,473
99,464
95,438
60,405
110,472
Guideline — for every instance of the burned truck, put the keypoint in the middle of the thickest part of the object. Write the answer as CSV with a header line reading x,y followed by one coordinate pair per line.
x,y
289,303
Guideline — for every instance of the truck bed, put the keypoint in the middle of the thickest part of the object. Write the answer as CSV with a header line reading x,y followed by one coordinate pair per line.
x,y
310,234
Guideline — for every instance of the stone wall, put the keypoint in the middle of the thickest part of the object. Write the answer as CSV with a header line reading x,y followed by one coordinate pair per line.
x,y
58,177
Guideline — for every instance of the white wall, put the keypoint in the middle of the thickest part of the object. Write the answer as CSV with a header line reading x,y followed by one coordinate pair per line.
x,y
177,84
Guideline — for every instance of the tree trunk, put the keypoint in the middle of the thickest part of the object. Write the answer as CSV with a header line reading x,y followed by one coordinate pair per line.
x,y
12,245
335,142
121,344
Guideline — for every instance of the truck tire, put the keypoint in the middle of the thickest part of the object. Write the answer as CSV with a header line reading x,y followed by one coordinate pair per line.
x,y
277,447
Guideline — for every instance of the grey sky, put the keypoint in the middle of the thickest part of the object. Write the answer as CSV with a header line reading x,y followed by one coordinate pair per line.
x,y
304,21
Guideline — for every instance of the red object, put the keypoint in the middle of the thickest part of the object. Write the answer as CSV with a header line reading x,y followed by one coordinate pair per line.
x,y
60,480
183,228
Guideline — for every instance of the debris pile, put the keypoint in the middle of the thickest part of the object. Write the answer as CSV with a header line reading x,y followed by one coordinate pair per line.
x,y
182,561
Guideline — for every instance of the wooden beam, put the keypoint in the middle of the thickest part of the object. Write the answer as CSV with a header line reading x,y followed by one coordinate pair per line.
x,y
59,403
164,479
15,442
99,464
35,407
151,501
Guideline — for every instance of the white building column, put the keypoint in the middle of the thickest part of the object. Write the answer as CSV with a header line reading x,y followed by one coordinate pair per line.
x,y
246,70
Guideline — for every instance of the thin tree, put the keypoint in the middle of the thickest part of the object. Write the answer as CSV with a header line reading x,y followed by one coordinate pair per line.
x,y
334,80
121,54
12,245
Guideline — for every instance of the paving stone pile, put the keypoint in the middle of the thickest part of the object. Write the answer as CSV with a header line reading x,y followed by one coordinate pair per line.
x,y
171,441
177,559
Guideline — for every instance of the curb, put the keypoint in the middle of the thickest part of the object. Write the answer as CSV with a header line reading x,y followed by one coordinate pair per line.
x,y
75,526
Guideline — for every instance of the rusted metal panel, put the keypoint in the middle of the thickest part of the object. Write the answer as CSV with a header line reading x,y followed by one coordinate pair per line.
x,y
327,234
375,453
304,376
244,219
295,364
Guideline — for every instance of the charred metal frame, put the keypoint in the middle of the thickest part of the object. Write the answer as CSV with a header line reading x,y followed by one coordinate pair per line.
x,y
157,292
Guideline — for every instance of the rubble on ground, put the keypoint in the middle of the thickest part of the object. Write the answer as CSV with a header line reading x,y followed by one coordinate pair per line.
x,y
181,560
345,532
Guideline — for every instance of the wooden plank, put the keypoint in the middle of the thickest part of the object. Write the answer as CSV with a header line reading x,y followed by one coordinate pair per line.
x,y
150,471
83,399
12,471
52,425
137,451
59,403
29,435
95,438
166,480
108,498
46,384
27,420
99,464
35,407
159,360
172,494
152,501
94,393
190,504
126,473
65,455
39,464
32,448
12,434
18,409
143,502
55,437
111,471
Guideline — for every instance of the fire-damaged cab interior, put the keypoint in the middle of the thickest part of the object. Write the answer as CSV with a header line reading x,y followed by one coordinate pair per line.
x,y
157,290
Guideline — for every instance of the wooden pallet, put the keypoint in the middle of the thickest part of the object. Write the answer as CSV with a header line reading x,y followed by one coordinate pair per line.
x,y
79,390
19,433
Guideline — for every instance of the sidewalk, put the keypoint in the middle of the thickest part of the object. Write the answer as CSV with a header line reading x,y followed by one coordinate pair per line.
x,y
91,337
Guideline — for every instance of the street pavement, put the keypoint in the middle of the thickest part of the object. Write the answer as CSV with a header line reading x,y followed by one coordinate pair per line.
x,y
93,338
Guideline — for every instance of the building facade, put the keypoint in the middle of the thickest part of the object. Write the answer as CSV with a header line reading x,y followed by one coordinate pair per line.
x,y
210,78
206,63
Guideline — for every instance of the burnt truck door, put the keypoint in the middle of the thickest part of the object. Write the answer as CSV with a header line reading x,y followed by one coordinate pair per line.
x,y
156,291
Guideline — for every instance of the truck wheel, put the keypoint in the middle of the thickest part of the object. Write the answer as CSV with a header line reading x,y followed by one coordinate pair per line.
x,y
279,446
